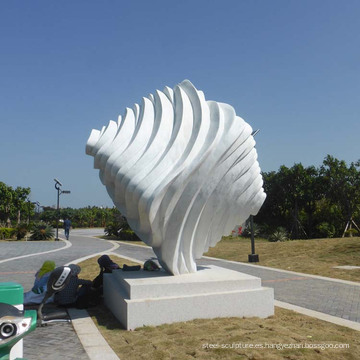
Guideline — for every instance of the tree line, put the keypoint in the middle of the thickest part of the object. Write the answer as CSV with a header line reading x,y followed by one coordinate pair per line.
x,y
310,202
91,216
304,202
18,212
14,205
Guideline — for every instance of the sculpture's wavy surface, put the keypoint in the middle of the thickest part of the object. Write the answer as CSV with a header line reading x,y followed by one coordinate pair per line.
x,y
182,170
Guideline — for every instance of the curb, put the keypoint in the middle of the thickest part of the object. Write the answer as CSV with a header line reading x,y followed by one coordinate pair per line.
x,y
93,342
319,315
347,282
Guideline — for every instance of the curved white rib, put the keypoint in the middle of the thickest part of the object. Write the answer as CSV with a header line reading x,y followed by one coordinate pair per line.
x,y
183,171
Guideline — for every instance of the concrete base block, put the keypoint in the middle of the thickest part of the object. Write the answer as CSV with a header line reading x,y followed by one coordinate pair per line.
x,y
153,298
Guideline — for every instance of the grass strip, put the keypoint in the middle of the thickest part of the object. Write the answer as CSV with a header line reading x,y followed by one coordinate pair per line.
x,y
316,256
286,335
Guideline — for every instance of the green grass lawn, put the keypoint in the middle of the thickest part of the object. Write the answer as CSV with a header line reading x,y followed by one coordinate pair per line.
x,y
316,256
235,338
231,338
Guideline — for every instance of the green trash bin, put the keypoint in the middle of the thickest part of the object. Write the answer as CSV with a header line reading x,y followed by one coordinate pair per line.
x,y
11,344
12,293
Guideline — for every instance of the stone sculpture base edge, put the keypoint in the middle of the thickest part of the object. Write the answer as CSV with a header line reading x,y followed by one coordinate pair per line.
x,y
251,300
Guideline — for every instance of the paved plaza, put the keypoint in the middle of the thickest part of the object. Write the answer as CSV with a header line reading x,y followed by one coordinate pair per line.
x,y
331,299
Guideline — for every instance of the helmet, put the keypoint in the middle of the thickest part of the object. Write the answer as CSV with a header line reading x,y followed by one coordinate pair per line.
x,y
150,265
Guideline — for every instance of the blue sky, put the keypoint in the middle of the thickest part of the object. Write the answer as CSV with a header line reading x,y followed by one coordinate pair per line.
x,y
290,68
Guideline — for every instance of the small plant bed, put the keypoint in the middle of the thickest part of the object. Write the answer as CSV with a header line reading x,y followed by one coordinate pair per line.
x,y
42,232
226,338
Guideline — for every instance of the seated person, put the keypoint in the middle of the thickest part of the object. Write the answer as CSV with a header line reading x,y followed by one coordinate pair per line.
x,y
37,293
106,266
75,291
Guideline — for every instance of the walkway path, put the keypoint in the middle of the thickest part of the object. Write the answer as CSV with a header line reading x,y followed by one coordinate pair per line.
x,y
331,299
18,263
20,260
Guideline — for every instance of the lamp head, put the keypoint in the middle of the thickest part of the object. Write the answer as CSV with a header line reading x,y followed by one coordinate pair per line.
x,y
58,182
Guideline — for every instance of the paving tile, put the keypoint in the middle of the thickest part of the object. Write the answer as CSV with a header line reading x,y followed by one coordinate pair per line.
x,y
56,341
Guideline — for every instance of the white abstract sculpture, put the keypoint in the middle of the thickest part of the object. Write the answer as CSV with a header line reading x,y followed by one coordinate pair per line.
x,y
182,170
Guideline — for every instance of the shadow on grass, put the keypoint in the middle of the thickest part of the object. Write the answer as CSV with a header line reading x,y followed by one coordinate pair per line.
x,y
104,317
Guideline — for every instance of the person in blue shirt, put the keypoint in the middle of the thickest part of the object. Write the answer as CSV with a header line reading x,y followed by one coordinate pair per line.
x,y
67,226
37,293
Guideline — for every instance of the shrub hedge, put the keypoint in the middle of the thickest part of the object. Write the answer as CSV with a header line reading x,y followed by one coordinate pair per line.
x,y
7,233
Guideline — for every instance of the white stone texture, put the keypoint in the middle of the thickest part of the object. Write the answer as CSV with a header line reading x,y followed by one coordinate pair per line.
x,y
152,298
182,170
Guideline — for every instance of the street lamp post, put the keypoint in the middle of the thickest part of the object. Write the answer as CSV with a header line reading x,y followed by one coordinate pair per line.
x,y
29,209
37,209
58,186
252,257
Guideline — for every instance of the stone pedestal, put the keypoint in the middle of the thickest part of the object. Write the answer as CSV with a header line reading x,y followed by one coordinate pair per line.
x,y
153,298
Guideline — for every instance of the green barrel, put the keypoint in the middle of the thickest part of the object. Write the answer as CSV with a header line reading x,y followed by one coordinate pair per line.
x,y
13,294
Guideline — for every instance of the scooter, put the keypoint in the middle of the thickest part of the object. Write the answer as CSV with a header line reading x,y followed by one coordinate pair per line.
x,y
58,280
15,323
